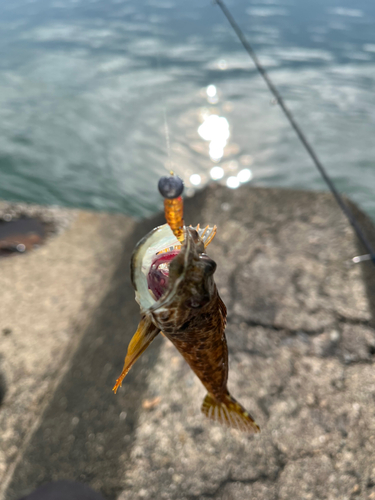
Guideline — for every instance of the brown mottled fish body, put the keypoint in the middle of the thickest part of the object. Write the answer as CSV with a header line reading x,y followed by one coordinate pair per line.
x,y
202,343
192,316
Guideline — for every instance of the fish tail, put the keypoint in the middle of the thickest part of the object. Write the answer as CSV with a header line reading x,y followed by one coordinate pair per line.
x,y
230,413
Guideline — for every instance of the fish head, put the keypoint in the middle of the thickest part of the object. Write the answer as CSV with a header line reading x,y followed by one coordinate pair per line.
x,y
167,274
191,274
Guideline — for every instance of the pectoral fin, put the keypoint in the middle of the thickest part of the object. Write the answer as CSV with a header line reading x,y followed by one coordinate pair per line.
x,y
145,334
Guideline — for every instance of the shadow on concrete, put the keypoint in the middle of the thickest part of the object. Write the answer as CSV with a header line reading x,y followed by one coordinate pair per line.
x,y
86,433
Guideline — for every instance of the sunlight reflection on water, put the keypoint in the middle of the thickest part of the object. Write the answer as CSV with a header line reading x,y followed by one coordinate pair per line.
x,y
215,129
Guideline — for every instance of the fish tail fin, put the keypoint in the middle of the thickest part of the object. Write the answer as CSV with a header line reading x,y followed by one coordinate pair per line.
x,y
230,413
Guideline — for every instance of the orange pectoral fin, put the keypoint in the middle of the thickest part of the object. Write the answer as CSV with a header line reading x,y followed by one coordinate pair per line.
x,y
145,334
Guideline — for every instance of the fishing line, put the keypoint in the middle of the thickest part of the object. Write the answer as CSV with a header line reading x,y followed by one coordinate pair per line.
x,y
167,140
169,165
297,129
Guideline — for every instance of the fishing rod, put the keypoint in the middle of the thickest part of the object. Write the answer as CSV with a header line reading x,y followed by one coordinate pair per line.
x,y
346,210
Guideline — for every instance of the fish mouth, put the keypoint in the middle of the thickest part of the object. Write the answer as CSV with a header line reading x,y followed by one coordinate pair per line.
x,y
158,275
152,257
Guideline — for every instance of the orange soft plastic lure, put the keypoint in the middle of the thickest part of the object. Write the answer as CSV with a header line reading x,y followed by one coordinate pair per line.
x,y
174,215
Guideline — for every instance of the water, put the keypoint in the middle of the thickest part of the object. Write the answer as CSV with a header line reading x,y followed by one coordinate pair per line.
x,y
100,98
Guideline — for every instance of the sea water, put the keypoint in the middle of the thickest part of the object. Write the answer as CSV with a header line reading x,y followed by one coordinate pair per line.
x,y
98,99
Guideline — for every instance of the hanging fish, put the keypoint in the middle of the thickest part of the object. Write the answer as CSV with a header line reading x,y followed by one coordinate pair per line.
x,y
174,286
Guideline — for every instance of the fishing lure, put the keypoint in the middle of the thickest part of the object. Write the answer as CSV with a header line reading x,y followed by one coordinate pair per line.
x,y
173,280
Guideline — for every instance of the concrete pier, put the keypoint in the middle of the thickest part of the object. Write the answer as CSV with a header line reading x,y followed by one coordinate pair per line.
x,y
301,343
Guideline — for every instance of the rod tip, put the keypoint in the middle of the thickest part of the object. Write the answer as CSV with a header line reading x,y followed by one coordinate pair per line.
x,y
171,186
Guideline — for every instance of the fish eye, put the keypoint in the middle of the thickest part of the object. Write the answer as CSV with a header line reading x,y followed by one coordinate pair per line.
x,y
209,264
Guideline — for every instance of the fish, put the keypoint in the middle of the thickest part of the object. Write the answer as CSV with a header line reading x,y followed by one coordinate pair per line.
x,y
177,294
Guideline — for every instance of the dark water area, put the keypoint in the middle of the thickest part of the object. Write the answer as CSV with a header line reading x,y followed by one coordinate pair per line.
x,y
98,99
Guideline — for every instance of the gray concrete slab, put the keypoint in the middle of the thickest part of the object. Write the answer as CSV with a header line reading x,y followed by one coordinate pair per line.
x,y
48,298
301,341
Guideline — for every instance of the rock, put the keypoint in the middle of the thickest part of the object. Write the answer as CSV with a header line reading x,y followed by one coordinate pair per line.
x,y
301,344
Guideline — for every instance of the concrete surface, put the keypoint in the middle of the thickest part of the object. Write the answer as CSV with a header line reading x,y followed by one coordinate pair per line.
x,y
301,341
